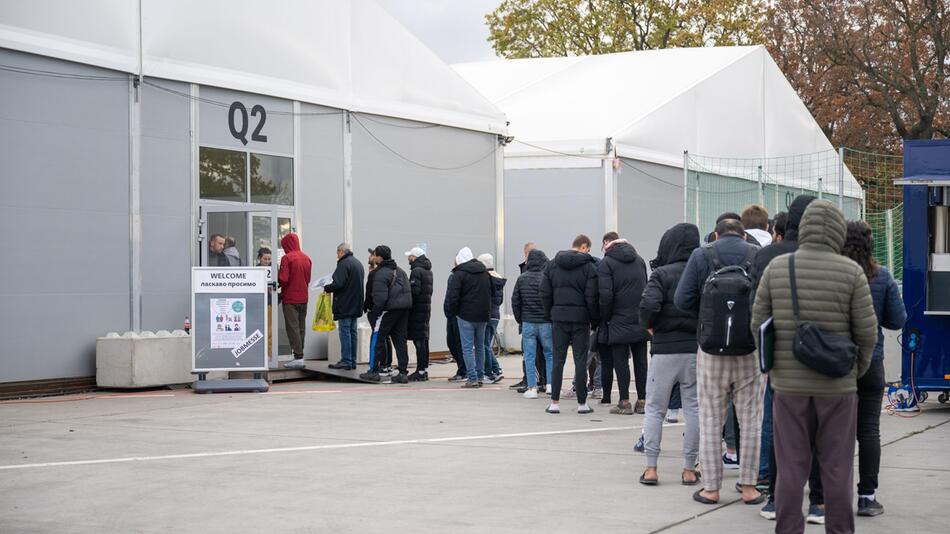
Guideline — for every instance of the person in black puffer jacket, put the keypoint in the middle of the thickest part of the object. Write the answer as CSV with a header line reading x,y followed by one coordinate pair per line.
x,y
392,299
347,291
420,279
621,277
469,300
569,294
674,349
534,320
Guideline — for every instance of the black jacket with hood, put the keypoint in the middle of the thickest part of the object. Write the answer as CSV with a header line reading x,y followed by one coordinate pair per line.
x,y
674,331
347,288
470,292
420,279
789,243
569,288
526,299
390,289
621,278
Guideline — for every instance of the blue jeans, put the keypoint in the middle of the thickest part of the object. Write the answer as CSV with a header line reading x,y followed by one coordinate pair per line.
x,y
530,335
766,434
347,341
473,343
491,362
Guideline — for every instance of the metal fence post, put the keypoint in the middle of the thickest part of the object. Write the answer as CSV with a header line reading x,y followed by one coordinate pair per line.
x,y
889,237
761,187
821,189
841,179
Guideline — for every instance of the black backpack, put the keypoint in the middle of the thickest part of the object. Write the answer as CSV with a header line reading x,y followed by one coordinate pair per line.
x,y
725,311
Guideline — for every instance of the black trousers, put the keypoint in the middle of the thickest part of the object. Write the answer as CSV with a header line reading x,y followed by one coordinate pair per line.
x,y
614,360
870,395
393,326
454,340
816,493
577,337
422,354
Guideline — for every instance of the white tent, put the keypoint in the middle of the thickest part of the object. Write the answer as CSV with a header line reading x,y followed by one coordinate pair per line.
x,y
572,116
344,54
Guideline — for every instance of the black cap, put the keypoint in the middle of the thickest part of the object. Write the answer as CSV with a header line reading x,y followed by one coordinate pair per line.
x,y
383,252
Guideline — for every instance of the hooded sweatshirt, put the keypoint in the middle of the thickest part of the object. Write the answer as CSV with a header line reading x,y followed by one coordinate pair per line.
x,y
469,294
674,331
232,256
833,295
294,274
526,299
569,288
621,278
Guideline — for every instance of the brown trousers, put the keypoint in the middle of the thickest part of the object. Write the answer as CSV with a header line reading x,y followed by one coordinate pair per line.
x,y
295,319
826,425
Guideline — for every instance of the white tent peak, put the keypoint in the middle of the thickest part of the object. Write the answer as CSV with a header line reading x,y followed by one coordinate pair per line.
x,y
348,54
723,101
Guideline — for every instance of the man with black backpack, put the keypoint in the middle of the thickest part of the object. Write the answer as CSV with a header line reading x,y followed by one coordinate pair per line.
x,y
717,286
392,299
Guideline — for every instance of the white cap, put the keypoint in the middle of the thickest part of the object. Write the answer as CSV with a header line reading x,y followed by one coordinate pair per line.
x,y
416,251
464,255
487,260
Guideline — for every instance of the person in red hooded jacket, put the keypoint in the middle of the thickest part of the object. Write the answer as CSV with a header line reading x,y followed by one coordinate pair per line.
x,y
294,281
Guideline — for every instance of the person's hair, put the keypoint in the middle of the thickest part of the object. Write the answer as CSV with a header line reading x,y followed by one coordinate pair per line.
x,y
528,245
611,236
229,242
729,226
781,221
215,236
859,246
344,247
755,216
261,251
728,215
580,241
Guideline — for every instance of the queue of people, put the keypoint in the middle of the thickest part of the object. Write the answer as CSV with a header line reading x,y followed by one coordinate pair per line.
x,y
690,327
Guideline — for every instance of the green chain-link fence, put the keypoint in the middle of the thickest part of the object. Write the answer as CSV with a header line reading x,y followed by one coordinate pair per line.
x,y
860,183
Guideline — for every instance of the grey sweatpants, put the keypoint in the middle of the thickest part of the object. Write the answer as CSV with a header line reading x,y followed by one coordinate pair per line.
x,y
664,372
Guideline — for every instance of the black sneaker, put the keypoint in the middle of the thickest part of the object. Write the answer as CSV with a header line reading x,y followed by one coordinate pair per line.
x,y
522,389
542,388
519,385
370,376
419,377
339,365
399,378
869,508
471,384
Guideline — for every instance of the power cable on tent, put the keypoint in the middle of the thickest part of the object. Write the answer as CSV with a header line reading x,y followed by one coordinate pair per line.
x,y
63,75
218,103
394,125
418,164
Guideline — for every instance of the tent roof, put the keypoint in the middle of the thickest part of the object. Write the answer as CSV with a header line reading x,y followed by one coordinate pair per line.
x,y
723,101
345,54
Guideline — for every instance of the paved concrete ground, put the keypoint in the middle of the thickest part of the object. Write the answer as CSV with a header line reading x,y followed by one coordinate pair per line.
x,y
322,456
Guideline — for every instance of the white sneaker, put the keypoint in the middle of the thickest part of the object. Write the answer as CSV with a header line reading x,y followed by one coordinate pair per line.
x,y
531,393
584,409
294,364
673,416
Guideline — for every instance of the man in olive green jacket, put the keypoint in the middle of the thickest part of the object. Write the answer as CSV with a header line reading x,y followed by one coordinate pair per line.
x,y
810,407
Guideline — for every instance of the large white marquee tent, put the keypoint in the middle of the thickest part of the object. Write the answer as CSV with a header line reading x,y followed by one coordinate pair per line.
x,y
572,116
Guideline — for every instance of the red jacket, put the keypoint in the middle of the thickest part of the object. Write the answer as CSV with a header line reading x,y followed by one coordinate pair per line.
x,y
294,274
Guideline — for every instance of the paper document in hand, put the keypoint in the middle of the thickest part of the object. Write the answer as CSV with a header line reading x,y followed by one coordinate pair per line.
x,y
322,281
766,345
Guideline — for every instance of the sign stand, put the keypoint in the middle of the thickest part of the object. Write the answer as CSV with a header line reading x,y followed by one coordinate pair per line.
x,y
229,327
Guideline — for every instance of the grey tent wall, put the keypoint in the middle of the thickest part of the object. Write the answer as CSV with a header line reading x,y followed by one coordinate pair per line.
x,y
550,207
650,200
400,203
320,198
64,215
166,205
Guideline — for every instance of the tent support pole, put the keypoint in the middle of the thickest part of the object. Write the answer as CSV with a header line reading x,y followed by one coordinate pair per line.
x,y
686,186
135,204
500,204
347,180
841,179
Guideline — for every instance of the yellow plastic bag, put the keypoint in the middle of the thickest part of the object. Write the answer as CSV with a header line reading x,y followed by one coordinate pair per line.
x,y
323,317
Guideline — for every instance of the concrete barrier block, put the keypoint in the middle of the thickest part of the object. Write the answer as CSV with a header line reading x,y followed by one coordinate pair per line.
x,y
143,360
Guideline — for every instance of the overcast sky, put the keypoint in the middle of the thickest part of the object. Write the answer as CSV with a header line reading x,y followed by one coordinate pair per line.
x,y
453,29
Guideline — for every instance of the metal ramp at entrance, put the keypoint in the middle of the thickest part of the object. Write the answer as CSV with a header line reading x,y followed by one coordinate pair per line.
x,y
322,367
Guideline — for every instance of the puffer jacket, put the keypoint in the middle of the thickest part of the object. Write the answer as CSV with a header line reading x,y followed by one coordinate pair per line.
x,y
674,331
497,293
420,280
833,294
526,299
469,293
888,307
391,289
347,288
569,288
621,278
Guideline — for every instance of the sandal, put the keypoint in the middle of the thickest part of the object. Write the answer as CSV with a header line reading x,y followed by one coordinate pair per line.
x,y
698,497
758,500
648,481
696,477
